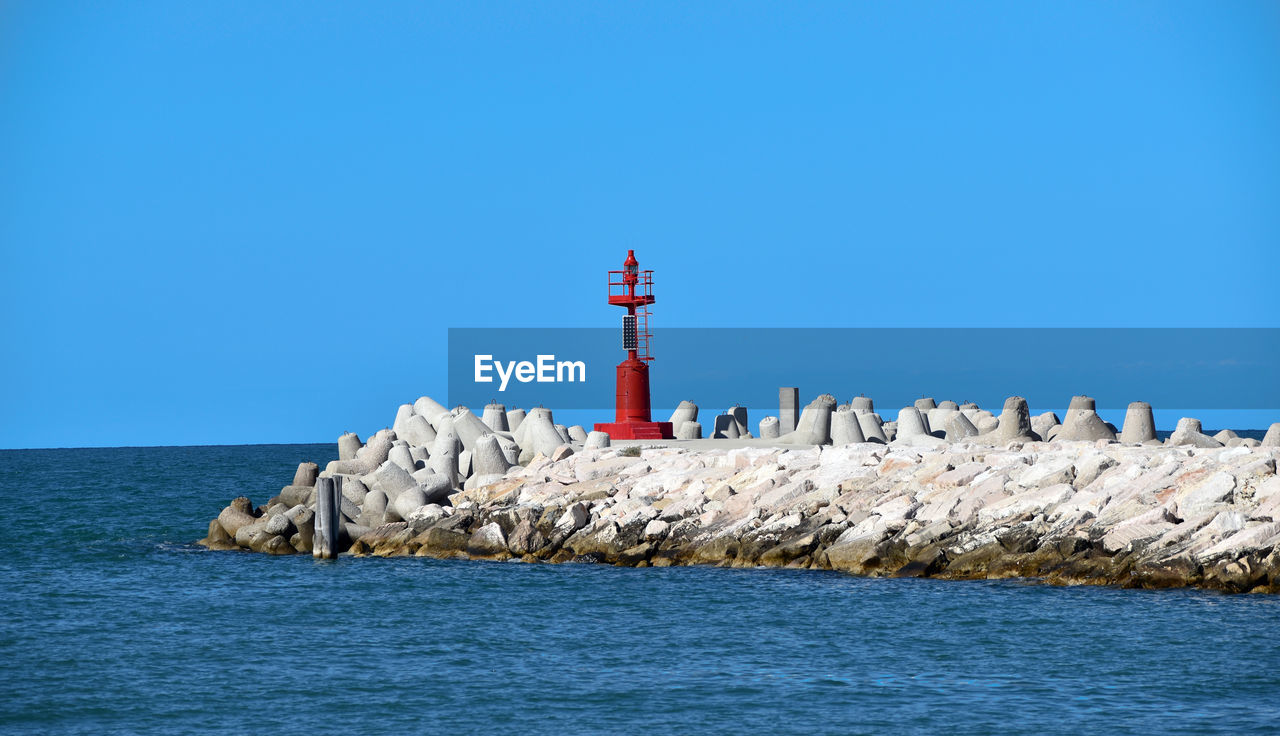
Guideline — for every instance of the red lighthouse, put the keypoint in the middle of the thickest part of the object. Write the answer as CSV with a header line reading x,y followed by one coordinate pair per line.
x,y
633,289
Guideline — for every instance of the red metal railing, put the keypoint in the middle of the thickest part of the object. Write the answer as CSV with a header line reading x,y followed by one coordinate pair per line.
x,y
622,294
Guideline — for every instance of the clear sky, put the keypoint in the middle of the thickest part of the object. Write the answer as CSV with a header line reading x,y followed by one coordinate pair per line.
x,y
233,222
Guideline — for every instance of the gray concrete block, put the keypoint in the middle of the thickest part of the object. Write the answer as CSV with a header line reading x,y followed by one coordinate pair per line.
x,y
788,409
844,426
514,417
488,457
348,445
495,417
1083,422
769,428
1139,423
814,426
686,412
689,431
1272,437
725,428
306,474
871,426
429,409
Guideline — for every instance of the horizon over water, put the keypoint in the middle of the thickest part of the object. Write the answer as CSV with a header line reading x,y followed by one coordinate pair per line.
x,y
1161,434
115,622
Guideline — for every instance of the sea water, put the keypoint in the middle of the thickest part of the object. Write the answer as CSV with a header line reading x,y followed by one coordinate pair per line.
x,y
112,621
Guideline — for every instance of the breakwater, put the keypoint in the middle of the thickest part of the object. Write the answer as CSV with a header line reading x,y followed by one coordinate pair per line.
x,y
1001,501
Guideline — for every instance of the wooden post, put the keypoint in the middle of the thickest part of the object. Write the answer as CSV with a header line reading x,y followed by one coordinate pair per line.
x,y
325,543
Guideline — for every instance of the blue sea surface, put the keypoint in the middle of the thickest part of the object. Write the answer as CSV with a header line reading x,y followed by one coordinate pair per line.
x,y
112,621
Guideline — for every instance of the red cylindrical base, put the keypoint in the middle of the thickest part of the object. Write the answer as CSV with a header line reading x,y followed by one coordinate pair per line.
x,y
632,419
632,404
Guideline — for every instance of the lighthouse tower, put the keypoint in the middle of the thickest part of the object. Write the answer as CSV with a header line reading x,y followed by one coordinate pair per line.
x,y
633,289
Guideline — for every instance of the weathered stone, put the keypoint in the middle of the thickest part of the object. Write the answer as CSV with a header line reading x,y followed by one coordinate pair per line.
x,y
488,543
525,539
574,518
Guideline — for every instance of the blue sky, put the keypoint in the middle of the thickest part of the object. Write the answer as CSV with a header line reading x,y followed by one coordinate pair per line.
x,y
253,222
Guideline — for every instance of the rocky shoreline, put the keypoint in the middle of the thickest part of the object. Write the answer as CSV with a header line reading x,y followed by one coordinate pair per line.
x,y
1193,511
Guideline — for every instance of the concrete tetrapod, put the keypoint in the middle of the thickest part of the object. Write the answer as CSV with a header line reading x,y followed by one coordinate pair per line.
x,y
739,414
435,488
401,456
936,420
689,431
1083,422
495,417
520,434
348,445
403,412
1043,422
910,423
1272,437
469,427
725,428
488,458
844,426
417,431
958,427
862,405
769,428
445,452
814,427
913,429
1014,424
597,439
514,417
305,476
926,404
1189,432
686,412
429,409
375,453
871,426
1139,423
540,436
393,479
